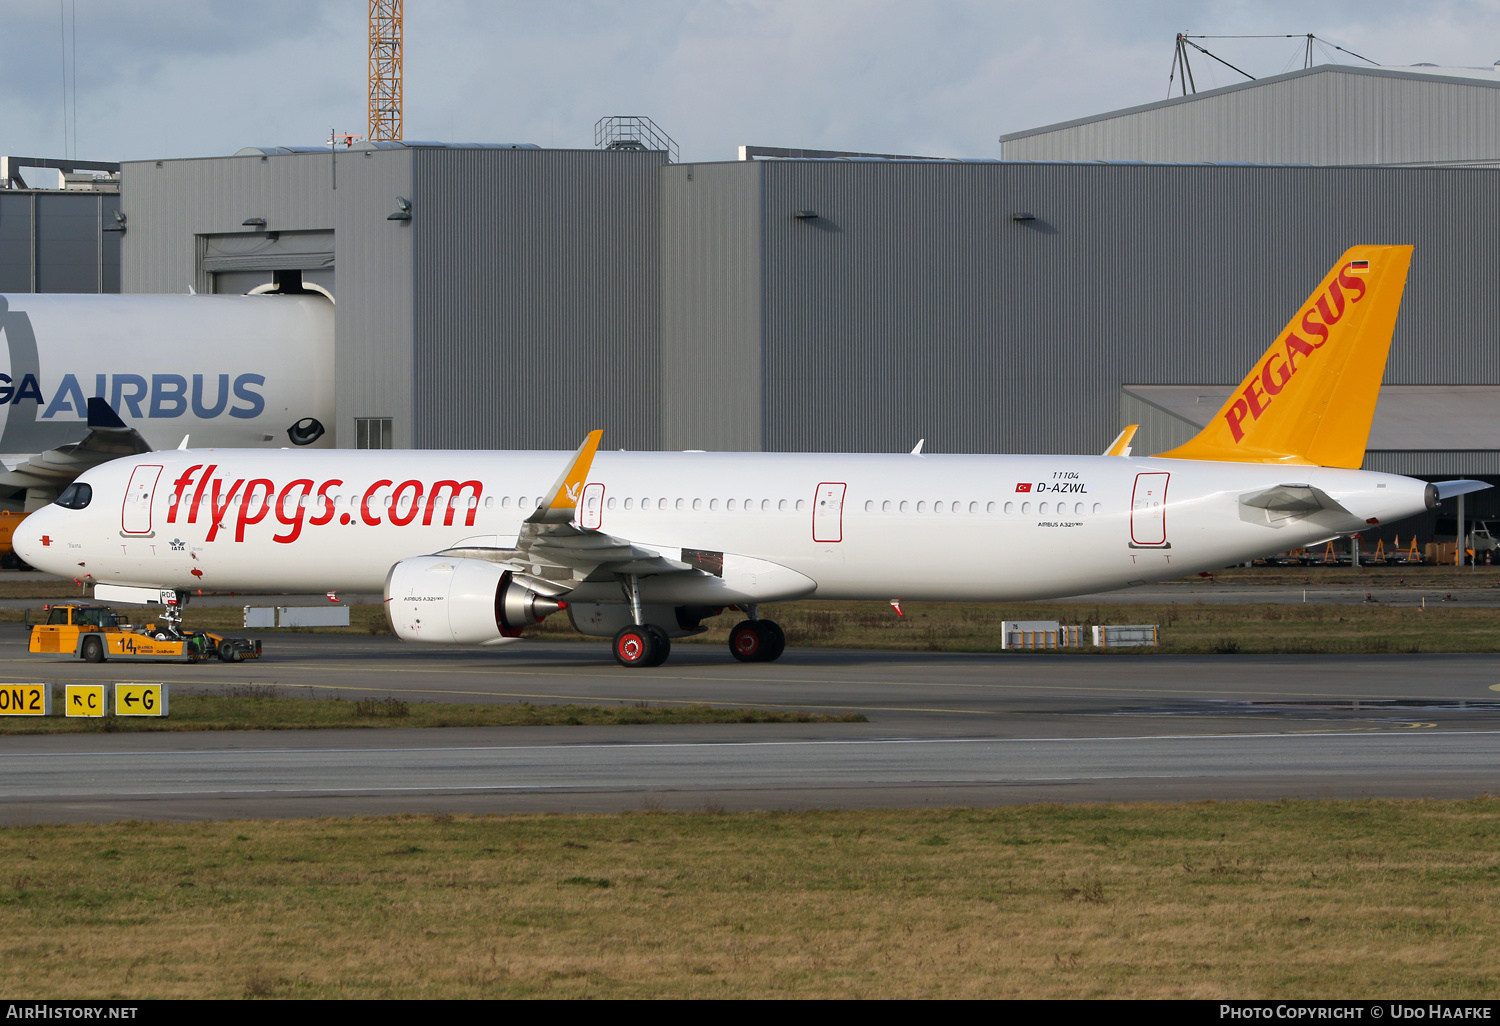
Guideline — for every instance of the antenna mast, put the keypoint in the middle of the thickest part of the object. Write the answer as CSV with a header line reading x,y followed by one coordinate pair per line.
x,y
385,69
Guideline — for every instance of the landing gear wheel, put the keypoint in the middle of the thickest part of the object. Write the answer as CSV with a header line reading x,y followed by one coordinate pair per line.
x,y
663,645
774,639
93,650
757,641
636,647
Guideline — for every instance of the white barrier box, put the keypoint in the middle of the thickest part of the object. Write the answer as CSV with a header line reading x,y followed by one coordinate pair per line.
x,y
1126,636
1033,634
260,616
296,616
312,616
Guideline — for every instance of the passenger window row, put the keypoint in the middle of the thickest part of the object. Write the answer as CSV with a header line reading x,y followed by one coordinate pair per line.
x,y
1010,508
729,505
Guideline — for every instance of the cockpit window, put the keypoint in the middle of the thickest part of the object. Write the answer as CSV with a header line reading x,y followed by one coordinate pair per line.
x,y
76,496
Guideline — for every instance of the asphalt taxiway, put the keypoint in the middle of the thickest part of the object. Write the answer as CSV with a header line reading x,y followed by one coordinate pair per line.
x,y
944,729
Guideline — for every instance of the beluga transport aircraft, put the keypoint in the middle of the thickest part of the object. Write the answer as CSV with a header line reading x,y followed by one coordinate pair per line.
x,y
473,547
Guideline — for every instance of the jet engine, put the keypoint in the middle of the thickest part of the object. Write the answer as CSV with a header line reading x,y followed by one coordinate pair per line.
x,y
464,601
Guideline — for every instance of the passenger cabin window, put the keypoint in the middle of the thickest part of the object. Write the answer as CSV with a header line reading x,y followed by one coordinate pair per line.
x,y
76,496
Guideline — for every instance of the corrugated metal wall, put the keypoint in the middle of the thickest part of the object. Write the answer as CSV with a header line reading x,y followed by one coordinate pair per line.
x,y
172,204
538,298
915,306
54,241
1324,115
712,357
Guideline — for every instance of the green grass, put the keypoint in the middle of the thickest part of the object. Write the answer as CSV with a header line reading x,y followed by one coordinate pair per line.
x,y
1277,900
266,707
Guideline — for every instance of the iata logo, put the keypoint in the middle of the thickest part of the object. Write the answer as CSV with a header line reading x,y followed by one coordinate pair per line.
x,y
1282,365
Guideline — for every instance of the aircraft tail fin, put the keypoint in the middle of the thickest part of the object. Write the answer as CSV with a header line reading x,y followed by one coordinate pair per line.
x,y
1309,400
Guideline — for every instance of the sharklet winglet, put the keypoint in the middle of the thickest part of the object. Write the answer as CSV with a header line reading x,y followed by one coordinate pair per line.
x,y
1121,445
561,502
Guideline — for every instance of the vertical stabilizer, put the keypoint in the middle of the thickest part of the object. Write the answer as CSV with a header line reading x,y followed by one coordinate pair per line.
x,y
1309,400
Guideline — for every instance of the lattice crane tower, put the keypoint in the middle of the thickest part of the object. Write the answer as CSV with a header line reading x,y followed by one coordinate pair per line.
x,y
385,69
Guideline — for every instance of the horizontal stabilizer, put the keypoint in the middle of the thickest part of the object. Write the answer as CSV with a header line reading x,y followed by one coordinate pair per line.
x,y
108,438
1284,502
1448,489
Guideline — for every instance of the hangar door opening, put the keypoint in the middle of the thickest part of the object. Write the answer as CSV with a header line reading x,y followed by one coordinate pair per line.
x,y
261,261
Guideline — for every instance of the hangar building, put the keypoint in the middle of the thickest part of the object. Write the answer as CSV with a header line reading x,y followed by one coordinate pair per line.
x,y
511,296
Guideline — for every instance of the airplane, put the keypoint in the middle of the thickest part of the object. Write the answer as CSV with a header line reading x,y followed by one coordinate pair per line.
x,y
471,548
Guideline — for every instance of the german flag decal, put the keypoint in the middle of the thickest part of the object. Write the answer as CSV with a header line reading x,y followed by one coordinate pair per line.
x,y
1359,267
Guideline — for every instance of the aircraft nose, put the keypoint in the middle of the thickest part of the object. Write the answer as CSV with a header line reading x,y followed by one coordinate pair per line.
x,y
35,541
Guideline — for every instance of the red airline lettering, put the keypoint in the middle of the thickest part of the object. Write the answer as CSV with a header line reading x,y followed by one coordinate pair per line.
x,y
1274,375
295,523
328,511
364,503
416,503
198,495
178,486
245,517
215,508
454,489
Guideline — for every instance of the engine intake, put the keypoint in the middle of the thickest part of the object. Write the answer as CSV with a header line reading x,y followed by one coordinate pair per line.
x,y
461,602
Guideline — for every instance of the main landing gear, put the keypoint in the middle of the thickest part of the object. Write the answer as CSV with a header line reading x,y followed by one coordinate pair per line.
x,y
644,644
757,641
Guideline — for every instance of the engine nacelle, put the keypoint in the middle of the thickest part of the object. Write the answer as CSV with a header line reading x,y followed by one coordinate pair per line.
x,y
461,602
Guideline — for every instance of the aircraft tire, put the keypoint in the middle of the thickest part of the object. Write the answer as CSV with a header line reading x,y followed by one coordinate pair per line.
x,y
93,650
663,645
747,643
775,640
635,647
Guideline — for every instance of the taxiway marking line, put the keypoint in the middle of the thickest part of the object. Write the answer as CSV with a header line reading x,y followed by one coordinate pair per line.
x,y
799,743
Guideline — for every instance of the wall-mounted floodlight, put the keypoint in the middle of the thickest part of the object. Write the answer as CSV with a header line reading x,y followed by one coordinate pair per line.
x,y
804,215
254,222
119,225
404,211
1023,215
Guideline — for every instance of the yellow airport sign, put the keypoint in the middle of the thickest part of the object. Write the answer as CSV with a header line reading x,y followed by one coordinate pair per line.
x,y
140,700
25,700
84,700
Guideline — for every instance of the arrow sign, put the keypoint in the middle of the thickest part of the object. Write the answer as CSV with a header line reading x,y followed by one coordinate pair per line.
x,y
140,700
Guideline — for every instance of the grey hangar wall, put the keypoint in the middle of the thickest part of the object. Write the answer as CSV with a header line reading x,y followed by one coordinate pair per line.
x,y
817,304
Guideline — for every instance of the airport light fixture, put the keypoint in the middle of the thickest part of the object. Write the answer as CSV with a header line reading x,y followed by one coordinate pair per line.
x,y
403,212
254,222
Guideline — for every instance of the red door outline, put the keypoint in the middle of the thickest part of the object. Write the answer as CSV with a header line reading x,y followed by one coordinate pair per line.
x,y
1148,511
591,507
135,511
828,511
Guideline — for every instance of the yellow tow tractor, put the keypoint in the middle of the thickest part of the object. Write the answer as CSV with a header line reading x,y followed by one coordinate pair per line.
x,y
97,633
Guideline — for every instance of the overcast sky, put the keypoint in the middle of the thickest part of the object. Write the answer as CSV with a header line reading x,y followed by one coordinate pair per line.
x,y
183,78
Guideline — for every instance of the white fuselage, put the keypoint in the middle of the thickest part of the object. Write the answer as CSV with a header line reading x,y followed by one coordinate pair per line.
x,y
862,526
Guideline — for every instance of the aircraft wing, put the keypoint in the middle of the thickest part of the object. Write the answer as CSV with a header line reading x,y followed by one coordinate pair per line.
x,y
550,537
108,438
